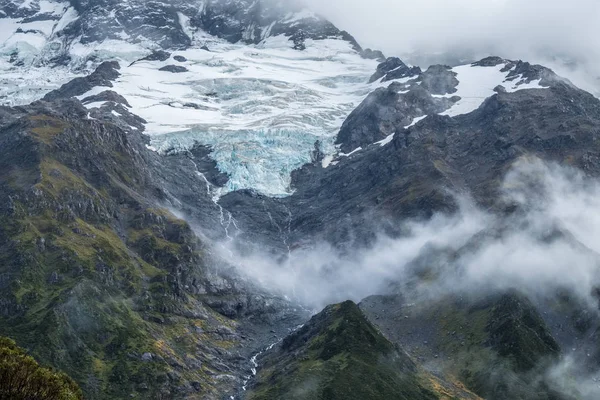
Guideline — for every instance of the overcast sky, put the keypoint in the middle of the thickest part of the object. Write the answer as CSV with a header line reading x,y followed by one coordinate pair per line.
x,y
536,30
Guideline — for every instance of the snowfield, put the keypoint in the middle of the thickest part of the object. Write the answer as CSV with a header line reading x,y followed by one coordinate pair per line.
x,y
477,84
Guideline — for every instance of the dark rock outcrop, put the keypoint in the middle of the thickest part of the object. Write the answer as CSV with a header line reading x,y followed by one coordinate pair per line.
x,y
393,68
410,176
253,21
157,55
176,69
104,74
388,110
107,95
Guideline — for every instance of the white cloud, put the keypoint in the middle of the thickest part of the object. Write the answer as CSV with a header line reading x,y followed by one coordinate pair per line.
x,y
560,33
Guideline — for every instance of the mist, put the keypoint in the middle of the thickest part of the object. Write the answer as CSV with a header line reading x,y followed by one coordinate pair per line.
x,y
547,248
549,245
557,33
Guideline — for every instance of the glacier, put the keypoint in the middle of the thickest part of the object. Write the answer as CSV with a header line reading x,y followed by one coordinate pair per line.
x,y
261,110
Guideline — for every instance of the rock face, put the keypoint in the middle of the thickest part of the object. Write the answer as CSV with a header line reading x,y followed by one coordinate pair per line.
x,y
253,21
176,69
103,76
393,68
495,345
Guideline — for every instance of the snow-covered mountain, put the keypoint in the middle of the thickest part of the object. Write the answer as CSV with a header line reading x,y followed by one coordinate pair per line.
x,y
260,82
302,162
236,79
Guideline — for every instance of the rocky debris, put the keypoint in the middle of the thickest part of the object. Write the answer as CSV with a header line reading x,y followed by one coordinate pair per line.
x,y
104,74
176,69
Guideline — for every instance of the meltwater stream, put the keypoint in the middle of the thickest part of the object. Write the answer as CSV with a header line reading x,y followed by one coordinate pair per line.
x,y
254,359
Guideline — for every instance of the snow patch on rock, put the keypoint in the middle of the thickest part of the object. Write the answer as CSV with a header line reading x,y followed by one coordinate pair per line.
x,y
477,83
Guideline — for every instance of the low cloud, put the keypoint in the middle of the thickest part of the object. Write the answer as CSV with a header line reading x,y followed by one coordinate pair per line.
x,y
550,245
561,34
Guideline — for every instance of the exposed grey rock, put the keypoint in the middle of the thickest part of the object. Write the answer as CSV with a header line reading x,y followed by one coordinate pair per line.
x,y
386,111
408,177
439,79
490,62
104,74
157,55
393,68
107,95
251,21
176,69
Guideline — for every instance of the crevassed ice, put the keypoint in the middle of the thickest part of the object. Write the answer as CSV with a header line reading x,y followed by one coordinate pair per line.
x,y
261,159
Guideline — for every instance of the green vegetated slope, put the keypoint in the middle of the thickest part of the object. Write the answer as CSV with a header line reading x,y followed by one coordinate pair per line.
x,y
22,378
95,279
339,354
